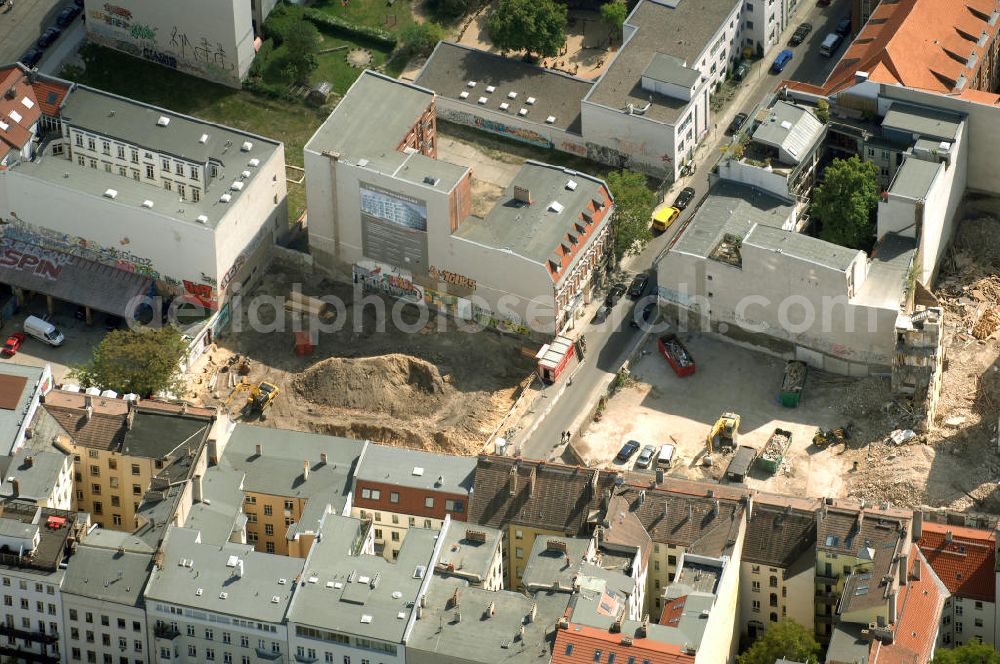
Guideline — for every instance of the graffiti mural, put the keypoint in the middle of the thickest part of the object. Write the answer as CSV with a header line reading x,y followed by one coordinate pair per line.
x,y
202,294
452,278
494,127
26,257
381,278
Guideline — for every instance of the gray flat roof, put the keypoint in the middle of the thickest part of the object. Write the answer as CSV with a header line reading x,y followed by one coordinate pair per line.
x,y
217,517
668,69
481,637
470,558
922,121
279,471
888,272
155,434
730,208
375,597
792,128
801,246
197,575
554,560
452,66
435,173
372,120
535,231
37,472
682,32
107,574
11,420
417,469
914,178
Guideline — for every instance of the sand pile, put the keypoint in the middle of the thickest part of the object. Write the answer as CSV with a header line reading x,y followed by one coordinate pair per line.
x,y
398,385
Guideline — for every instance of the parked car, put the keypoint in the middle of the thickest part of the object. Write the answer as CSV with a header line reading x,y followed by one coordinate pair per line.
x,y
741,71
830,44
843,26
684,198
800,34
638,286
781,61
48,37
614,295
67,16
31,57
664,218
646,456
736,124
13,344
627,451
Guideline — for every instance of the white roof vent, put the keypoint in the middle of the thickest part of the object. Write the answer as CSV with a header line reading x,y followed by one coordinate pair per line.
x,y
571,185
362,163
511,95
785,124
254,163
523,112
4,125
550,119
504,106
202,219
247,146
556,206
245,174
27,102
15,116
147,203
225,198
529,100
111,193
313,579
338,585
232,560
463,94
419,571
396,594
282,582
275,599
418,471
163,121
401,615
490,88
223,595
199,592
483,100
366,619
471,84
203,139
329,584
364,579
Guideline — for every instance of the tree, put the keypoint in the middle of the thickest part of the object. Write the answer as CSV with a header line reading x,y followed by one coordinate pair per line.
x,y
300,44
634,203
972,652
139,361
614,14
845,202
449,8
786,639
823,111
420,38
535,26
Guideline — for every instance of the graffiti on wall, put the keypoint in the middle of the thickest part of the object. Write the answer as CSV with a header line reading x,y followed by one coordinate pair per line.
x,y
26,257
452,278
517,133
392,281
486,319
202,294
573,148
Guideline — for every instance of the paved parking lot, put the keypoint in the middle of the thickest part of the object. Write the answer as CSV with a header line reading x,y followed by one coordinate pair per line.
x,y
80,339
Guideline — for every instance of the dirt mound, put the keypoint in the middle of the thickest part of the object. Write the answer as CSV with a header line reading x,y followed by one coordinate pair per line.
x,y
398,385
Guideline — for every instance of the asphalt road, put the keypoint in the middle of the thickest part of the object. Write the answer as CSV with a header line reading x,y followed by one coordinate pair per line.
x,y
21,26
608,342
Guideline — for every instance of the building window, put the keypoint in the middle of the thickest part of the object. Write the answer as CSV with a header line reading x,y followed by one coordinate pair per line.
x,y
267,510
165,165
150,174
79,140
168,185
195,195
80,160
269,547
429,501
979,622
395,536
180,190
179,168
371,494
121,151
519,552
394,497
755,586
268,529
93,163
774,599
454,506
98,508
116,519
135,175
105,147
209,635
194,172
251,500
134,156
136,490
91,143
979,606
95,489
773,582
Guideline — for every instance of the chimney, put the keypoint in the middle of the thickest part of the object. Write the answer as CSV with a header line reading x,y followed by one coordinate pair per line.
x,y
948,537
16,487
616,626
659,476
643,628
88,401
88,413
903,569
522,194
29,461
531,480
239,568
918,524
130,418
196,489
491,609
323,458
258,450
305,470
642,496
512,480
715,508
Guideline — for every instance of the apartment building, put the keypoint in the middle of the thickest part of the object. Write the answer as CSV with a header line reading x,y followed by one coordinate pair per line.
x,y
187,207
400,488
43,477
472,553
22,388
211,603
964,559
36,542
291,480
120,449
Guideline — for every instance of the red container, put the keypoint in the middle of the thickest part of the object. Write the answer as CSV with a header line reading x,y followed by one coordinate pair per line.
x,y
677,355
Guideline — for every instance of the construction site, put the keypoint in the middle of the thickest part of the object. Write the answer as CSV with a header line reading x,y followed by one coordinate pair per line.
x,y
844,436
438,388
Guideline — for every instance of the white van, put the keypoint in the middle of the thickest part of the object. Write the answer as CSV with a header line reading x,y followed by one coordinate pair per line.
x,y
830,44
666,456
43,331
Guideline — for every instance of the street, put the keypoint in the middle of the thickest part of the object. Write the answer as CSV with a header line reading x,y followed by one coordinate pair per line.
x,y
21,26
567,403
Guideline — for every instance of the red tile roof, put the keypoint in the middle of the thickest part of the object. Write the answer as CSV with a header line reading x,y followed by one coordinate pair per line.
x,y
918,607
965,565
50,96
673,610
577,645
22,103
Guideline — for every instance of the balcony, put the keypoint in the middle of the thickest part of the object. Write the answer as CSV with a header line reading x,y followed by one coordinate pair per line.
x,y
823,598
7,630
822,578
167,632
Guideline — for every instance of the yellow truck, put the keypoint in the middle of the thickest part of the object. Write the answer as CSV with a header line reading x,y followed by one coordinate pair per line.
x,y
664,218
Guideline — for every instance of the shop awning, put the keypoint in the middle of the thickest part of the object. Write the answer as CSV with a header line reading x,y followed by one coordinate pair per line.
x,y
69,278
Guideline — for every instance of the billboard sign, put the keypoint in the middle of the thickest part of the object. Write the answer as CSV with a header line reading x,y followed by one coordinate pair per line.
x,y
393,228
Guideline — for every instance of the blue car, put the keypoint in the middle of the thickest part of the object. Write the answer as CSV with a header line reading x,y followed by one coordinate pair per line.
x,y
779,62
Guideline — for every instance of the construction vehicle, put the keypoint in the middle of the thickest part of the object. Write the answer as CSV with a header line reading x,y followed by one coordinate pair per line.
x,y
826,437
259,398
723,433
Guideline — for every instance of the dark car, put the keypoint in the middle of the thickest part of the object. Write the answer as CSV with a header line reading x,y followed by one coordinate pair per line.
x,y
741,71
736,124
844,26
31,57
638,286
614,295
67,15
627,451
684,198
48,37
800,34
781,61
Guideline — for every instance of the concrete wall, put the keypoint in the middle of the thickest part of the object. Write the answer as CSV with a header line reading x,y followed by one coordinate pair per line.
x,y
212,40
509,125
628,141
755,176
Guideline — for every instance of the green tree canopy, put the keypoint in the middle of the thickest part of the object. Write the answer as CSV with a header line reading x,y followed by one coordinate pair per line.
x,y
846,201
449,8
140,361
535,26
973,652
634,203
420,38
614,13
300,44
786,639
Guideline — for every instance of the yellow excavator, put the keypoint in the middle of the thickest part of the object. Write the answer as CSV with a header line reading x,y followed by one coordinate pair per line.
x,y
723,433
259,398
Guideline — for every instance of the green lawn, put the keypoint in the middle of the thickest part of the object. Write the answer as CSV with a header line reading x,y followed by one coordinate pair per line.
x,y
144,81
373,13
